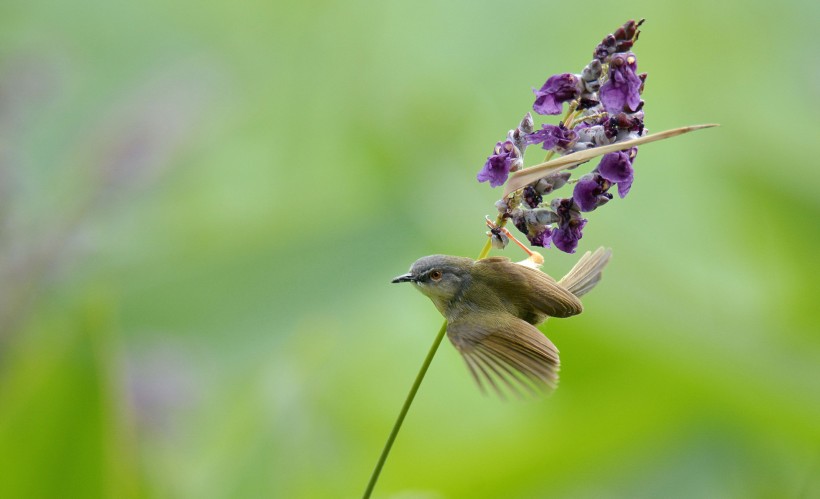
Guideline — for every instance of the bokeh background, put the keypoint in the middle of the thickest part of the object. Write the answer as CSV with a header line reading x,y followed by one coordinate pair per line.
x,y
202,205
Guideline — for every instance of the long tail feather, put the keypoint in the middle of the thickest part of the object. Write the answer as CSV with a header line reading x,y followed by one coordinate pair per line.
x,y
587,272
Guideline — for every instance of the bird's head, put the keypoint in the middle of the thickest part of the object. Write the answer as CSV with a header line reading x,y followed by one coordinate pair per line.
x,y
440,277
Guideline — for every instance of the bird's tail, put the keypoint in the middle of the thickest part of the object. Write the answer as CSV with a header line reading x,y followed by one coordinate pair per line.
x,y
586,273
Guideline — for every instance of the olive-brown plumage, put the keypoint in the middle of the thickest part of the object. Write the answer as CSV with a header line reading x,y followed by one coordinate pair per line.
x,y
492,307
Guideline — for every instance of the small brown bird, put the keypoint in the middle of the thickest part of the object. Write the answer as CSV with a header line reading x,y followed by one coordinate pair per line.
x,y
492,307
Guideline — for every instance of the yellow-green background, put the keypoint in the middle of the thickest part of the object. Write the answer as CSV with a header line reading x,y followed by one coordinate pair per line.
x,y
202,205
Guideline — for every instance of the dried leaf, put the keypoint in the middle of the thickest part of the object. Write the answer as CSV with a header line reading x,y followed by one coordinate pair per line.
x,y
527,176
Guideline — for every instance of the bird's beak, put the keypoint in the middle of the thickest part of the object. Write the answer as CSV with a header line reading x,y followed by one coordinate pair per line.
x,y
408,277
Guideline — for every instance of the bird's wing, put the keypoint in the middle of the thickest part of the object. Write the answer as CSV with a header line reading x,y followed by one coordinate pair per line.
x,y
533,292
505,351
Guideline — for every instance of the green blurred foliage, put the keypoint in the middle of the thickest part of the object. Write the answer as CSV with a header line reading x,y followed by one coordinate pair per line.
x,y
202,204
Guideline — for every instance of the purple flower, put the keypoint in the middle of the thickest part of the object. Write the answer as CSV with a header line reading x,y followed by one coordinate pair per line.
x,y
591,191
621,92
504,159
623,123
557,90
570,225
566,237
620,41
534,225
553,137
541,239
617,168
532,197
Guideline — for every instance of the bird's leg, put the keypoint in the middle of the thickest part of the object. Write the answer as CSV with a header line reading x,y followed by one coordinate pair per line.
x,y
533,257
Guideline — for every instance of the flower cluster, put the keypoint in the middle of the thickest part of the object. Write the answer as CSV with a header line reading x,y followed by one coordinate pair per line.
x,y
604,107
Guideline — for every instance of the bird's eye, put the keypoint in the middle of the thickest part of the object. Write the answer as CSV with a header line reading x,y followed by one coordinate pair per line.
x,y
435,275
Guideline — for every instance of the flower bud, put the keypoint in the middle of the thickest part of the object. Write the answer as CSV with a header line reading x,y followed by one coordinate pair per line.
x,y
527,125
544,216
498,239
591,75
552,182
502,206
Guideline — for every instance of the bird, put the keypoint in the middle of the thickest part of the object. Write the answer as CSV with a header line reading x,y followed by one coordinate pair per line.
x,y
493,306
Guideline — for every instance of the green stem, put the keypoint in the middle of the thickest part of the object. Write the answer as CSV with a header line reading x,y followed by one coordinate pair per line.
x,y
374,477
410,396
489,244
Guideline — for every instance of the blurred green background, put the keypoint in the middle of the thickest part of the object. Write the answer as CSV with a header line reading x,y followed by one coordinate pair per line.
x,y
202,205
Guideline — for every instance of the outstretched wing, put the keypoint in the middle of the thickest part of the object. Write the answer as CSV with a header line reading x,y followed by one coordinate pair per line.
x,y
533,293
503,350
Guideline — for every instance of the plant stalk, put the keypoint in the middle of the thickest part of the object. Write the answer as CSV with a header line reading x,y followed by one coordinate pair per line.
x,y
408,401
374,477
